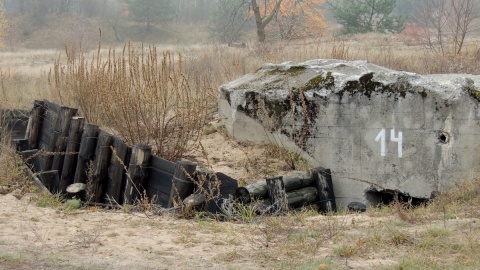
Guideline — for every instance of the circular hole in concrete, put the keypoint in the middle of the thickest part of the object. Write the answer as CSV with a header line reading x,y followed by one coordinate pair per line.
x,y
443,137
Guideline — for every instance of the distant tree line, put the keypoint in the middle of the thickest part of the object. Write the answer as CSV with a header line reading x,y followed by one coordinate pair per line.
x,y
188,11
117,12
228,20
441,21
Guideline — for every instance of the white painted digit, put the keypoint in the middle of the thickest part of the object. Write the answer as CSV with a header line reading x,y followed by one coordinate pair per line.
x,y
383,141
381,137
398,140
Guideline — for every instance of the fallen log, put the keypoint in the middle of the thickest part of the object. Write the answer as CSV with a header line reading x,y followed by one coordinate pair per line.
x,y
252,192
195,202
259,190
295,199
302,197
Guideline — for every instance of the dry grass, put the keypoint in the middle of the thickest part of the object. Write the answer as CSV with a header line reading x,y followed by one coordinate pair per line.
x,y
382,238
13,177
24,71
144,96
12,173
144,90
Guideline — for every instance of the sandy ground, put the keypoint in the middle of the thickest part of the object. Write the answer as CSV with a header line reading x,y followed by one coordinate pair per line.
x,y
33,237
244,161
45,238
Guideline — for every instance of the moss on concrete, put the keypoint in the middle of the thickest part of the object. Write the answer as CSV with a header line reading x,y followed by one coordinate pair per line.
x,y
472,90
292,71
319,82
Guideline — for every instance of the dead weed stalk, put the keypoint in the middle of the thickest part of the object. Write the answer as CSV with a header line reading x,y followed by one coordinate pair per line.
x,y
145,96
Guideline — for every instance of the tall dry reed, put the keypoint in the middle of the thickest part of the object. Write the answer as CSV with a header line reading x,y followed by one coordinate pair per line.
x,y
143,96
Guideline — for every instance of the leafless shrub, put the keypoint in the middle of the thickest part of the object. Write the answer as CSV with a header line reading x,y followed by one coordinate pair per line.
x,y
144,96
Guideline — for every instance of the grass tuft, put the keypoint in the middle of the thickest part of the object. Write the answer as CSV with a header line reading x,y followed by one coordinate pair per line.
x,y
45,199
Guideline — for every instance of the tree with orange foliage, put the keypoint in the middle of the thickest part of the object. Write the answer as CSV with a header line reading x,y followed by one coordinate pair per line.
x,y
300,19
294,18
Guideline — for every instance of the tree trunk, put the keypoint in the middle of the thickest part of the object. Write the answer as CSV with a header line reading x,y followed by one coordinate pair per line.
x,y
115,31
258,22
149,25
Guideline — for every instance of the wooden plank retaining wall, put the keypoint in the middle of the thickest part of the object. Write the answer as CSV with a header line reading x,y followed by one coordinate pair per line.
x,y
64,150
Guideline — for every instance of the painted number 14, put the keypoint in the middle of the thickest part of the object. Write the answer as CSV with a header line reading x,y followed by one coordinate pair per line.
x,y
381,137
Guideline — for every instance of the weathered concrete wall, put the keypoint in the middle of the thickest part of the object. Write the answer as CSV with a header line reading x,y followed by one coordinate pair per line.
x,y
375,128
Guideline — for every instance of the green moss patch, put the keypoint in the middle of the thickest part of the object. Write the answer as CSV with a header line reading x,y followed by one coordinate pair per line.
x,y
320,81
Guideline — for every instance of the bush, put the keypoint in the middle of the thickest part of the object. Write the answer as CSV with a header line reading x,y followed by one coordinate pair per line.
x,y
143,96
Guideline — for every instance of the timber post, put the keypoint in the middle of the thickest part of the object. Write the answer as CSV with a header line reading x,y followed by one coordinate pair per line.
x,y
50,180
30,157
100,167
137,172
117,171
77,190
182,184
34,124
323,181
277,194
86,152
58,141
70,159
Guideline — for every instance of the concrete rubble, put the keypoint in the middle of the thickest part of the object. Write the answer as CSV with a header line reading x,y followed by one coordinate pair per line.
x,y
377,129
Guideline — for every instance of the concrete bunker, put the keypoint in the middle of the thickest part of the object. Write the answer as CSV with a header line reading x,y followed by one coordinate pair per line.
x,y
377,129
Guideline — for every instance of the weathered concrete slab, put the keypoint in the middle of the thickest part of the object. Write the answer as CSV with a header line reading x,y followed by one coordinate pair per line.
x,y
375,128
